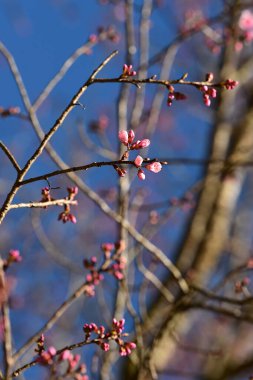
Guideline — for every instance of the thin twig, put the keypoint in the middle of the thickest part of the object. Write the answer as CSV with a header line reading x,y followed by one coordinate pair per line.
x,y
80,168
7,337
10,156
57,202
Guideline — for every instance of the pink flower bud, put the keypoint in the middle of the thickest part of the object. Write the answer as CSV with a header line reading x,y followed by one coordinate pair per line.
x,y
123,137
230,84
143,144
66,355
212,92
72,218
105,346
52,351
207,100
138,161
131,136
154,167
141,174
14,255
204,88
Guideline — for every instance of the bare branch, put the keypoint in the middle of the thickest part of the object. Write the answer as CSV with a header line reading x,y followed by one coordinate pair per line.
x,y
10,156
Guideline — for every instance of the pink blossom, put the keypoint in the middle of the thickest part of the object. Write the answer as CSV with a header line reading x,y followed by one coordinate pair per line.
x,y
127,348
212,92
230,84
46,357
66,355
105,346
207,100
128,71
14,255
123,137
118,275
141,174
73,191
131,136
141,144
246,20
138,161
154,167
108,246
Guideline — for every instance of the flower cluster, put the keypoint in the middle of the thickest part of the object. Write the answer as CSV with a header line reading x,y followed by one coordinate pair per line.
x,y
230,84
51,357
246,25
210,92
114,263
46,357
75,369
127,138
13,257
174,95
103,338
154,167
128,71
94,277
66,215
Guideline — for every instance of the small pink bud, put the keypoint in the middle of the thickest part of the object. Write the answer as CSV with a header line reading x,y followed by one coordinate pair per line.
x,y
230,84
131,136
143,144
141,174
14,255
154,167
52,351
207,100
204,88
66,355
123,137
138,161
105,346
72,218
212,92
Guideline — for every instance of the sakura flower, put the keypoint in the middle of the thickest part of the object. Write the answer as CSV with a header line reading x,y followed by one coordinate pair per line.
x,y
230,84
154,167
138,161
141,175
141,144
123,137
14,256
246,24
